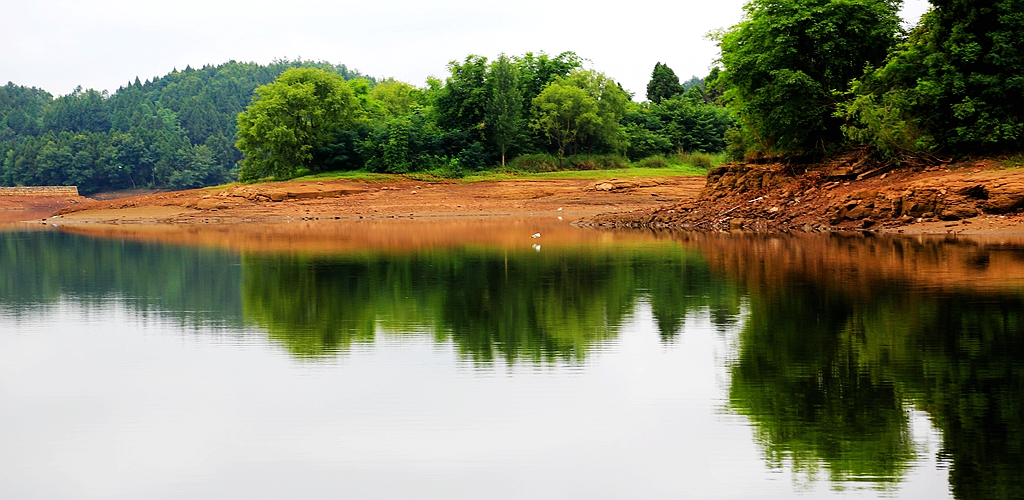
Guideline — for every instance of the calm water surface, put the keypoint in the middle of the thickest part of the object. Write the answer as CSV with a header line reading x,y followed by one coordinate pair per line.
x,y
469,360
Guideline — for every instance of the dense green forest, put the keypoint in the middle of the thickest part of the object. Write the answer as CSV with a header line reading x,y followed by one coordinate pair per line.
x,y
799,79
181,130
176,131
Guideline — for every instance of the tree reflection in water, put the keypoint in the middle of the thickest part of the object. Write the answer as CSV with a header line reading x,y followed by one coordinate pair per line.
x,y
516,306
840,336
834,354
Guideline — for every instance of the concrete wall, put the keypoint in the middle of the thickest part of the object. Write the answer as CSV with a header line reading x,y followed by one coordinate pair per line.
x,y
39,191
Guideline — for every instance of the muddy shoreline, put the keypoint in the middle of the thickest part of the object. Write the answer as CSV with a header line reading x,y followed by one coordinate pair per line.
x,y
570,199
979,198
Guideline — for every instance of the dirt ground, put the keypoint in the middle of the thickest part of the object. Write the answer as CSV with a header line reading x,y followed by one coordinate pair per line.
x,y
289,201
14,209
977,198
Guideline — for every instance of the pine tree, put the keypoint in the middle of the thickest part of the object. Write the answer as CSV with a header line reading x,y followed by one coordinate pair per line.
x,y
663,85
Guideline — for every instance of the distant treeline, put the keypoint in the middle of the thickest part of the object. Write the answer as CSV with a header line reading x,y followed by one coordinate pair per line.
x,y
174,131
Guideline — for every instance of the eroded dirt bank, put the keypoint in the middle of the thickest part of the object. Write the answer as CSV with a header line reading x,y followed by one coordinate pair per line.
x,y
973,198
570,198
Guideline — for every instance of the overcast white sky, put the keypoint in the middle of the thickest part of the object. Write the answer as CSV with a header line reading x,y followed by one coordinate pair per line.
x,y
103,44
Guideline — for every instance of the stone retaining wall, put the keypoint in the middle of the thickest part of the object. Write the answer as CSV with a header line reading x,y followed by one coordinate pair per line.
x,y
39,191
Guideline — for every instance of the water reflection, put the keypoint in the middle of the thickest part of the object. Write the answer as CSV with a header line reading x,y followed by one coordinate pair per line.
x,y
500,299
187,284
838,338
509,304
842,340
813,395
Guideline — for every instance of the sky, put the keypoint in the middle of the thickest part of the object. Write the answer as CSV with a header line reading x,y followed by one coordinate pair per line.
x,y
57,45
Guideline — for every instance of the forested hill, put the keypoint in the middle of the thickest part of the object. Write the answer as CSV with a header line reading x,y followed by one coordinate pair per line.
x,y
174,131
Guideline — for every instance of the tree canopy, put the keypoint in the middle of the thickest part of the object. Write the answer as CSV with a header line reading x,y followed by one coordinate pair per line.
x,y
581,111
954,84
290,119
785,62
505,108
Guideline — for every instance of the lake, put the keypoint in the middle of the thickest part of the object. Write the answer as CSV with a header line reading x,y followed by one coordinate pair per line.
x,y
469,359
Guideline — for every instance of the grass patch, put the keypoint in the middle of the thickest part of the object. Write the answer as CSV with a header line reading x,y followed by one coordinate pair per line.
x,y
700,160
670,171
541,166
499,174
656,161
703,161
351,175
539,162
1013,162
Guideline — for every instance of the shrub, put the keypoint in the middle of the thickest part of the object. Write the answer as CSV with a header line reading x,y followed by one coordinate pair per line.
x,y
656,161
448,168
539,162
699,160
581,162
594,162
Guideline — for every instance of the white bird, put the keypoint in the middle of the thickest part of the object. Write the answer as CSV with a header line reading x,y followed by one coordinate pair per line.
x,y
535,235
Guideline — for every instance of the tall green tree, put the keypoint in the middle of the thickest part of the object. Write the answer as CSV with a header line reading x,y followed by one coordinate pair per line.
x,y
505,108
581,111
786,61
663,85
396,98
290,119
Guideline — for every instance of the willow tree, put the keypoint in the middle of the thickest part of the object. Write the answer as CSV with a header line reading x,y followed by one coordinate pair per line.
x,y
290,119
